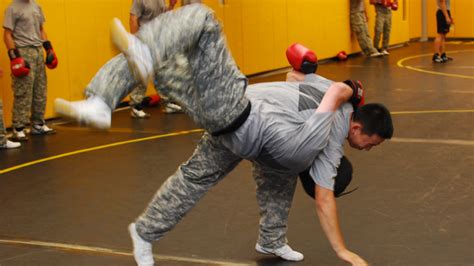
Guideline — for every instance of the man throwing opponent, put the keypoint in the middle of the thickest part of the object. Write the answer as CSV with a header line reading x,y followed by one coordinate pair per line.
x,y
283,128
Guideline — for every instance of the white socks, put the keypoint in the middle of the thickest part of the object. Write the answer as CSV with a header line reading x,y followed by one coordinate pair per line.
x,y
142,250
137,53
93,112
284,252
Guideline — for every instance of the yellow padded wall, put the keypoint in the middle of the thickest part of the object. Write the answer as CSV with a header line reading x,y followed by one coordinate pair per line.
x,y
415,18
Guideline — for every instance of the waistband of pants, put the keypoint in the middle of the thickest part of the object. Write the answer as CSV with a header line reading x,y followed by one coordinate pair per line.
x,y
236,123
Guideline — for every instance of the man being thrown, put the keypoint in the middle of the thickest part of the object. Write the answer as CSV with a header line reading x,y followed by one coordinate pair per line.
x,y
283,128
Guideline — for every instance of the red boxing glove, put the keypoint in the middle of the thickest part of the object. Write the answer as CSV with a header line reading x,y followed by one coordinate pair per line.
x,y
302,59
358,98
51,59
18,65
394,6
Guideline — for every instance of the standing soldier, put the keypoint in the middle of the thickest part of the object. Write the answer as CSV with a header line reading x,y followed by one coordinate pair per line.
x,y
383,23
24,35
359,18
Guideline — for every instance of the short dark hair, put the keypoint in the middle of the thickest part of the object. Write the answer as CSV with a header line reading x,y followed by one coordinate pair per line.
x,y
375,119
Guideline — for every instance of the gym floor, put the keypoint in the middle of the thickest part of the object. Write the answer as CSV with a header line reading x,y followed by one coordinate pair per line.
x,y
67,199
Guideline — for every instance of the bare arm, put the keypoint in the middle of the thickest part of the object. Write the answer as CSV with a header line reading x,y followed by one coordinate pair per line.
x,y
44,36
337,94
134,24
327,213
8,39
444,9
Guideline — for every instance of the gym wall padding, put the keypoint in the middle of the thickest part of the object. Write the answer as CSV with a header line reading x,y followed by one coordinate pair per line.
x,y
258,32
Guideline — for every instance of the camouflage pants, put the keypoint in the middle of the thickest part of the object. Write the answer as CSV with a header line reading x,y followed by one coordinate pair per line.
x,y
192,67
29,92
359,27
209,164
275,190
383,24
3,133
137,95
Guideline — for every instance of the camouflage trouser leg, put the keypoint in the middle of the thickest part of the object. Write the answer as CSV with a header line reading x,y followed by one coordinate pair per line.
x,y
275,190
29,92
3,138
112,82
137,95
194,67
359,27
383,24
210,163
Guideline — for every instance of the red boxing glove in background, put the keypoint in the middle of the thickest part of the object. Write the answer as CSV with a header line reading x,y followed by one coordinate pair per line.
x,y
18,65
51,60
302,59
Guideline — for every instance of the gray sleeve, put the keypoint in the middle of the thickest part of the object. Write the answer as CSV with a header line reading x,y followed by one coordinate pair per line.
x,y
42,18
137,8
324,167
9,19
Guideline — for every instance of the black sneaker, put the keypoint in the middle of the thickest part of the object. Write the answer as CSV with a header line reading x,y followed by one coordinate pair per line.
x,y
445,58
437,58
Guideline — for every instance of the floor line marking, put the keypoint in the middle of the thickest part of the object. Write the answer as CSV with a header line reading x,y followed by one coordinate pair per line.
x,y
435,141
98,148
400,64
108,251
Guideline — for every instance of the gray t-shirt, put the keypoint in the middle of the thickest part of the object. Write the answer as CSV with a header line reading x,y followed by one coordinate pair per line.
x,y
25,20
283,130
357,6
146,10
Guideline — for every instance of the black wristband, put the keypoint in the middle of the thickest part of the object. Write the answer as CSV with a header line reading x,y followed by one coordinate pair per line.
x,y
47,45
13,53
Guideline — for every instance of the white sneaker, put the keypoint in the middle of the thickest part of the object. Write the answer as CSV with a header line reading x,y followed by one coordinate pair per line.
x,y
172,108
10,145
19,135
137,53
375,54
384,52
42,130
284,252
92,112
139,113
142,250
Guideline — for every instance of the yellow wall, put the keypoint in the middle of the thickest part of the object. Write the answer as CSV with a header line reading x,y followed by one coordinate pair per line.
x,y
415,18
258,32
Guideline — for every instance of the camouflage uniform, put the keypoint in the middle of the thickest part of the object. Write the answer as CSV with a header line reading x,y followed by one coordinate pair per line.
x,y
194,67
359,27
383,24
3,133
25,20
30,91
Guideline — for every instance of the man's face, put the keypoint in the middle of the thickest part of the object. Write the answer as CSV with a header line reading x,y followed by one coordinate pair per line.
x,y
361,141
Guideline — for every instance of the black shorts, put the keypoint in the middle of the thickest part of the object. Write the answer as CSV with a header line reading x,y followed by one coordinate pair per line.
x,y
442,25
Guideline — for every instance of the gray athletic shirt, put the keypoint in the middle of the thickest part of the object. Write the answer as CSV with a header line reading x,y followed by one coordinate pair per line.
x,y
25,20
146,10
283,130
